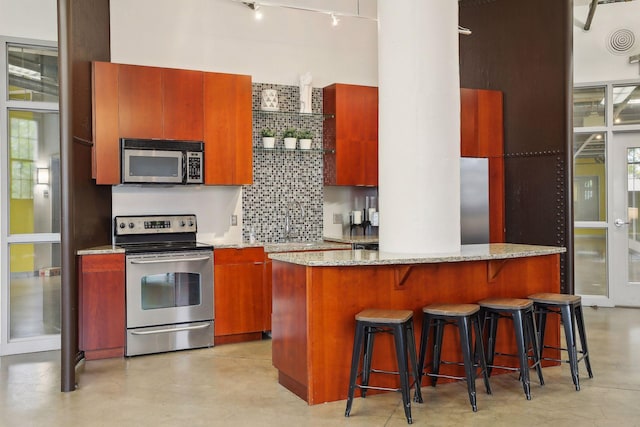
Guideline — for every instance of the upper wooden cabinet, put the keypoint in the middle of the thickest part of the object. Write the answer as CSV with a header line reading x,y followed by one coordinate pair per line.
x,y
227,129
140,102
131,101
106,153
481,129
183,114
352,135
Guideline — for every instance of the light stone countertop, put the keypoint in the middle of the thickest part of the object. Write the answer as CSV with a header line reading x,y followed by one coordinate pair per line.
x,y
268,247
285,246
492,251
363,240
101,250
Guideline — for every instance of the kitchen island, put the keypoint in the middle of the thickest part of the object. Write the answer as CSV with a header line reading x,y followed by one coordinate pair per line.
x,y
317,294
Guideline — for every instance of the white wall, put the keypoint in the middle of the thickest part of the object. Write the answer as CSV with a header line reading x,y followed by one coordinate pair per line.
x,y
592,60
213,207
31,19
221,35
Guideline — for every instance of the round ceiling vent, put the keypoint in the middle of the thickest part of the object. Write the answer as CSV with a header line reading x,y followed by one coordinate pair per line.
x,y
621,41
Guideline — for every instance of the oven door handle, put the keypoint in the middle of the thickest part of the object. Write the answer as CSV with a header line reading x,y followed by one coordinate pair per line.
x,y
164,331
158,261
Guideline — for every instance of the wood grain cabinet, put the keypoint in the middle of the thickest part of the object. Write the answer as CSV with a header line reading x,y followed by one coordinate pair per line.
x,y
481,123
131,101
351,135
238,294
102,305
228,129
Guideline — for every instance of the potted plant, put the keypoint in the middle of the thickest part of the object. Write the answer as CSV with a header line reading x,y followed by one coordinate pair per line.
x,y
305,137
268,138
290,138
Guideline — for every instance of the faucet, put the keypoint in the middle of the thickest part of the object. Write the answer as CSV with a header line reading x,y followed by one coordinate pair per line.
x,y
287,219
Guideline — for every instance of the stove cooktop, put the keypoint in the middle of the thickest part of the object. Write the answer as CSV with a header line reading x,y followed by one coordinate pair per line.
x,y
157,233
135,248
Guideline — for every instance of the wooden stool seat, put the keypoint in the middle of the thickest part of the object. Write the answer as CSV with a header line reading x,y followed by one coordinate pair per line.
x,y
506,303
555,299
384,316
451,309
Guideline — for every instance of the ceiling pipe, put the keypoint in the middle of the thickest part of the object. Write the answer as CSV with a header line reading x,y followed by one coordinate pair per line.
x,y
592,11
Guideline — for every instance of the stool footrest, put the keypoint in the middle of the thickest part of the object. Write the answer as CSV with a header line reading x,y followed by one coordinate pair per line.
x,y
451,377
371,387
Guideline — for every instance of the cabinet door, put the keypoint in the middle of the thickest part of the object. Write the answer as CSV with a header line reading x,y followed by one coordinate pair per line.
x,y
140,102
227,129
238,289
106,146
102,305
353,134
481,133
183,112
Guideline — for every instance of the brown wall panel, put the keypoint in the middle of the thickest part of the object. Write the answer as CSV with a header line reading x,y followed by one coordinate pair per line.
x,y
523,49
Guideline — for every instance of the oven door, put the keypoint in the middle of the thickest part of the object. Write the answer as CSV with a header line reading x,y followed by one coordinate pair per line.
x,y
141,166
169,288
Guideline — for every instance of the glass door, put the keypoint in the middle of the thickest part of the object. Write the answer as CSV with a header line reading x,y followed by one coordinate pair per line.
x,y
30,193
625,289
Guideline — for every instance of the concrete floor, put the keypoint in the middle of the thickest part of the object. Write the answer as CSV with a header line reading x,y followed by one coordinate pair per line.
x,y
235,385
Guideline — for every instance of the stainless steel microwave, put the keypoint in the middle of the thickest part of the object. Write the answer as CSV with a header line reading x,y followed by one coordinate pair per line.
x,y
155,161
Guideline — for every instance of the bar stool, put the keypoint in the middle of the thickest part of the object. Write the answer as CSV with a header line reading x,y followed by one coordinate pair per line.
x,y
521,312
569,307
399,323
463,316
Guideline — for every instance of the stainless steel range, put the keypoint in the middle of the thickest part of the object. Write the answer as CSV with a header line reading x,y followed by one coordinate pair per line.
x,y
169,283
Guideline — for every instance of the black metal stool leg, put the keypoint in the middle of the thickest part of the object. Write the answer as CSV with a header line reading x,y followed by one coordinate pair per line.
x,y
437,349
480,354
518,326
369,337
355,364
491,340
532,337
411,344
583,339
403,369
542,327
465,345
424,342
569,332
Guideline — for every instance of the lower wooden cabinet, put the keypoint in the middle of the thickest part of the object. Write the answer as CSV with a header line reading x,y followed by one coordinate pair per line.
x,y
102,322
239,298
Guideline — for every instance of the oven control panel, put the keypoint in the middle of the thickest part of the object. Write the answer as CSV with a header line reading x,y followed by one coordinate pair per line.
x,y
154,224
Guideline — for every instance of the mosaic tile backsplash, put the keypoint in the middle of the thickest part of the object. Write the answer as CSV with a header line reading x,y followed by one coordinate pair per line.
x,y
284,180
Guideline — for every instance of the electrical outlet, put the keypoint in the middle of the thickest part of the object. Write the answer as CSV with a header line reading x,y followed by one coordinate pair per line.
x,y
337,218
234,220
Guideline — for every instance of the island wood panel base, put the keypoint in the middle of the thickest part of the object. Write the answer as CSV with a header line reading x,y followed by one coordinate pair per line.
x,y
314,313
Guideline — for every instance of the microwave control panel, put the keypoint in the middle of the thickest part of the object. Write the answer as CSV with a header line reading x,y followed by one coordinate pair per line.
x,y
195,172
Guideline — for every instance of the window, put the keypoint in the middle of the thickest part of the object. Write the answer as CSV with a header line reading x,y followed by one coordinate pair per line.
x,y
33,73
23,136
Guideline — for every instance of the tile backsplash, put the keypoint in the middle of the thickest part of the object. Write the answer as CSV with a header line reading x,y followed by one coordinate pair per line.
x,y
285,180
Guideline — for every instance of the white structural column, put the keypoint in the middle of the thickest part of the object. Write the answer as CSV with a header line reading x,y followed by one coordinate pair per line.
x,y
419,126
